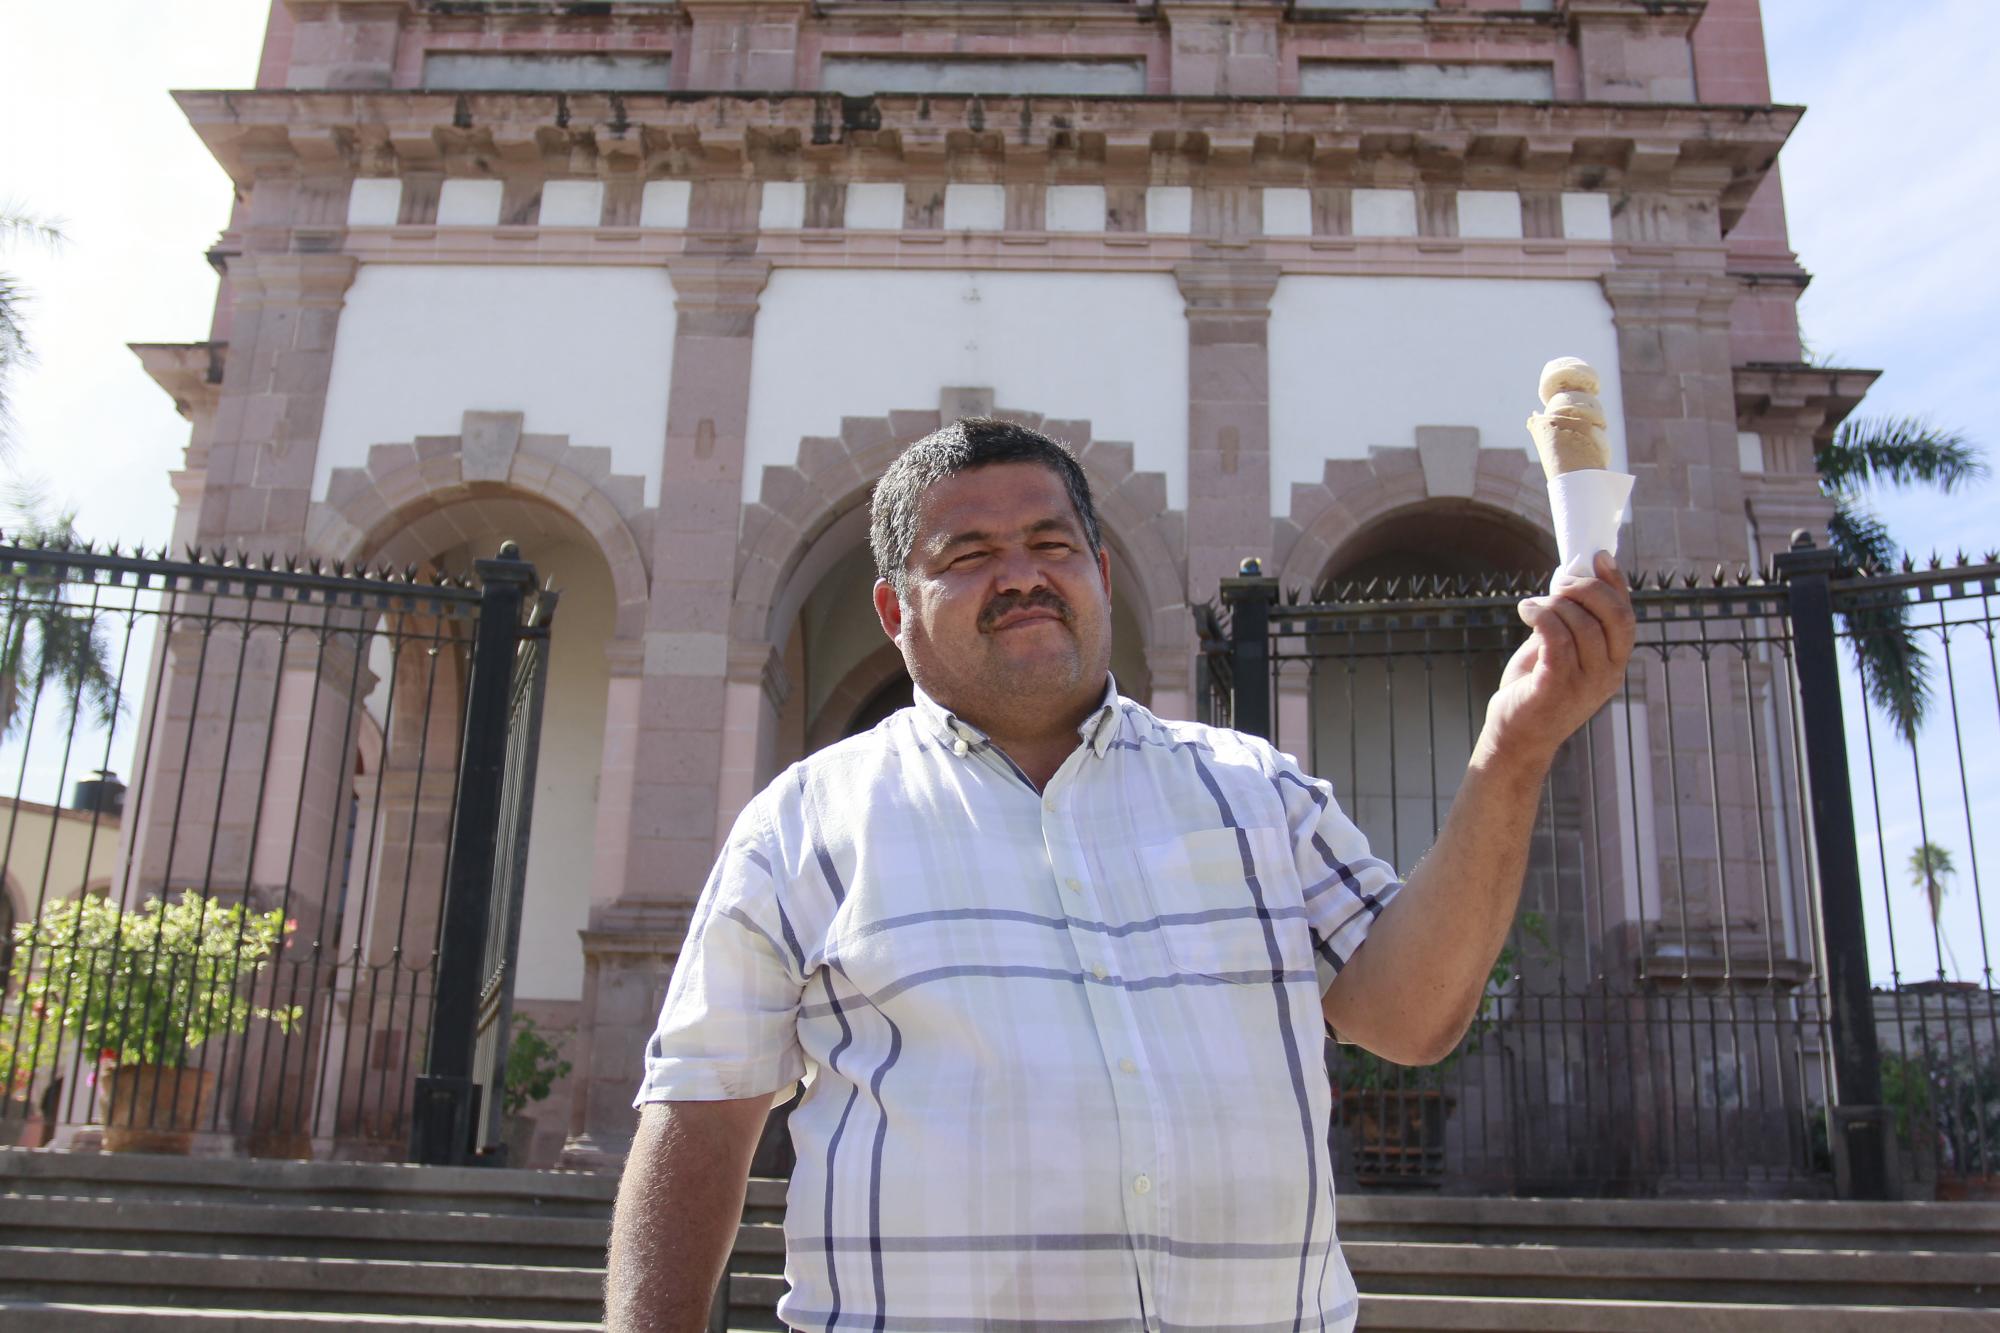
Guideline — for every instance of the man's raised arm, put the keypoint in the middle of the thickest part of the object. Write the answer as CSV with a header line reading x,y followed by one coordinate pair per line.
x,y
679,1204
1409,995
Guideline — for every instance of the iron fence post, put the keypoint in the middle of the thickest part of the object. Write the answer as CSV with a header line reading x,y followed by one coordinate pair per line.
x,y
444,1114
1249,597
1860,1129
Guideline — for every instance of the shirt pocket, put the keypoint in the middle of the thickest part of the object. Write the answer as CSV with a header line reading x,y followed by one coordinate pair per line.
x,y
1201,895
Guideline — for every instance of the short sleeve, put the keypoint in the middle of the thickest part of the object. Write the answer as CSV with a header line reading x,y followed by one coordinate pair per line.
x,y
1345,886
729,1025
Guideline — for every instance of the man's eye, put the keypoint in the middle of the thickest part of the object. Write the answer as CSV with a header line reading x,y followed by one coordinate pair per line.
x,y
966,558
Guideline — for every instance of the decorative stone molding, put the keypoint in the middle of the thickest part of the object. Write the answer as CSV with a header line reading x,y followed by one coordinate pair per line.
x,y
1446,470
1795,407
796,504
366,508
1719,152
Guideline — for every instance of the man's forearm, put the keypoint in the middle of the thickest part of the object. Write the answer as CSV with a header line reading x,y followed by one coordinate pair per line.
x,y
1409,993
679,1204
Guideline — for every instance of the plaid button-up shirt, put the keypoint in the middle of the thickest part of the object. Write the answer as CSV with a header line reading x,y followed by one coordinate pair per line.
x,y
1061,1048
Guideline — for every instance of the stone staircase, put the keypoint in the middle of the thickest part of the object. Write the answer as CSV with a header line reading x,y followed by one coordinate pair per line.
x,y
125,1242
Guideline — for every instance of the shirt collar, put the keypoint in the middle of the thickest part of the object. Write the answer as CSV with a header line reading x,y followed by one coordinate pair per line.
x,y
1097,730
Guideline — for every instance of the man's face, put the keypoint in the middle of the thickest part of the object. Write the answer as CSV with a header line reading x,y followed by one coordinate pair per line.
x,y
1005,607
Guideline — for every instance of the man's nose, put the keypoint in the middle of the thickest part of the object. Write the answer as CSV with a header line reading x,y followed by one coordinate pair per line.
x,y
1020,570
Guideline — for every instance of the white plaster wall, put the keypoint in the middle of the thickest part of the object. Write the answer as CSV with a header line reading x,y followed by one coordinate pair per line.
x,y
556,902
1361,362
1107,347
582,352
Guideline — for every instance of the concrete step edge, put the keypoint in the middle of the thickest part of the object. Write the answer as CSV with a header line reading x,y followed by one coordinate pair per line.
x,y
76,1317
113,1269
1876,1267
223,1173
1729,1215
309,1221
1496,1314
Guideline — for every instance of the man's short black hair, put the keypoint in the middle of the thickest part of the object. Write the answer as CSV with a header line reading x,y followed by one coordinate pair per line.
x,y
974,442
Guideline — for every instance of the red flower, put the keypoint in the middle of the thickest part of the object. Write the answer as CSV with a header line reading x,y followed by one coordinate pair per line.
x,y
108,1053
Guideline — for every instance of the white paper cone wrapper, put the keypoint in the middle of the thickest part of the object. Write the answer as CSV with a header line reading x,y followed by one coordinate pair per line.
x,y
1588,506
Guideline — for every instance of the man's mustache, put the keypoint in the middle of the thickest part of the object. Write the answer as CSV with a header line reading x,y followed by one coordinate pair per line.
x,y
1007,603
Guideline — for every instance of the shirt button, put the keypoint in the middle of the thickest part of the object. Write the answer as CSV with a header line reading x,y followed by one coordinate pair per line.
x,y
1143,1185
1126,1066
1097,970
960,748
1072,885
1049,804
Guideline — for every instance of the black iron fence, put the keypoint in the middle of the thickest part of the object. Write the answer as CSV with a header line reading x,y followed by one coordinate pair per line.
x,y
257,938
1685,1001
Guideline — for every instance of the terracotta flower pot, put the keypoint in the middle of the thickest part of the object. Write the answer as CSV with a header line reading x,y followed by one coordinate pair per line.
x,y
155,1108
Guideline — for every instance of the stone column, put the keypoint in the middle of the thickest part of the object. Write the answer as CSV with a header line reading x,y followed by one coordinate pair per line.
x,y
1223,48
677,693
1229,417
742,44
343,45
1707,734
1634,50
285,310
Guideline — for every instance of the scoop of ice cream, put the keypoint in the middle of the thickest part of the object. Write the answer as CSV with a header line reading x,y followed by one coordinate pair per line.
x,y
1567,374
1579,407
1568,446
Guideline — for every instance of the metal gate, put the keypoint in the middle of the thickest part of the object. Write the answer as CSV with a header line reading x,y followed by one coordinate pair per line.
x,y
246,942
1684,1001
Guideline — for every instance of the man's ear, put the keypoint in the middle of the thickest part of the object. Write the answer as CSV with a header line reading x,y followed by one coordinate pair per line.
x,y
888,608
1104,569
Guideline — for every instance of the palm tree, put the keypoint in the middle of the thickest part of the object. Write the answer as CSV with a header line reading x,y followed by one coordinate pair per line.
x,y
1897,451
44,638
1930,868
14,349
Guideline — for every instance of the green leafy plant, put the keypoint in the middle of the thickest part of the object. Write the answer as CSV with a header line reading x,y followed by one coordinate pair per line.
x,y
144,986
1358,1070
1947,1101
534,1063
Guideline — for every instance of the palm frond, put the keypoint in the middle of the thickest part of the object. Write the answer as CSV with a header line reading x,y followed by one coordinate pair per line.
x,y
1897,451
1894,671
13,323
19,225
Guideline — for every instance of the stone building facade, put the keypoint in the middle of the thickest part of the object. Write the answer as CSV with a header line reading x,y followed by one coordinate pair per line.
x,y
658,288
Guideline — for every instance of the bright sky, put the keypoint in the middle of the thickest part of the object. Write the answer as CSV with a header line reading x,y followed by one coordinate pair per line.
x,y
1890,184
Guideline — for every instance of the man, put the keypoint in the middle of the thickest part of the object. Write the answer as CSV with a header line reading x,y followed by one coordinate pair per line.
x,y
1054,970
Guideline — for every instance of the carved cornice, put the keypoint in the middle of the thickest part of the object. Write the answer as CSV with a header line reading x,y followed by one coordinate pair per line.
x,y
1809,400
1719,152
191,373
1663,18
723,283
1227,288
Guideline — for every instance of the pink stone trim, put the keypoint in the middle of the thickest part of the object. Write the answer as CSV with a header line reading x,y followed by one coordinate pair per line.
x,y
1355,495
404,485
832,478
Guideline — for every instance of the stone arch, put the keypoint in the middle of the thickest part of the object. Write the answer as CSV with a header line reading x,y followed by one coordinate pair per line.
x,y
1446,470
830,480
404,487
857,687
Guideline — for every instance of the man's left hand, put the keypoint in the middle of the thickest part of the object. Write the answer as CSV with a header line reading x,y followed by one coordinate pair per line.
x,y
1573,662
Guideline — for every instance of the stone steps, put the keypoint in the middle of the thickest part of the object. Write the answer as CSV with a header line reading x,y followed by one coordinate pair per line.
x,y
125,1242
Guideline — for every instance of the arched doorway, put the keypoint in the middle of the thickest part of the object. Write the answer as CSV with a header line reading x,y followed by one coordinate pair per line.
x,y
1394,711
391,871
